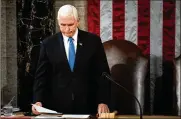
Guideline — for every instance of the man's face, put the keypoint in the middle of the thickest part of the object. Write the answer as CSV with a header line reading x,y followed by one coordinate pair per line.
x,y
68,25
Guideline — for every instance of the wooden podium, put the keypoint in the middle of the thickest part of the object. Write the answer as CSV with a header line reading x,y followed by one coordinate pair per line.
x,y
21,116
112,116
146,117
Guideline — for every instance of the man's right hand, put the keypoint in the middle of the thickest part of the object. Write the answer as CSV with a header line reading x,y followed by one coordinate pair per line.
x,y
34,110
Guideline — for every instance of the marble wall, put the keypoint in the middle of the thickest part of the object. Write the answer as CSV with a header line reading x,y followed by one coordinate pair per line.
x,y
8,64
35,21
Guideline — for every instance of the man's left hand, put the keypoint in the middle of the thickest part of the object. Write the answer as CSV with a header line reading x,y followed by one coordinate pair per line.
x,y
102,108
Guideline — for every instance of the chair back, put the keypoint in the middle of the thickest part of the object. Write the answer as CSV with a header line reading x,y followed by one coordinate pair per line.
x,y
177,84
128,67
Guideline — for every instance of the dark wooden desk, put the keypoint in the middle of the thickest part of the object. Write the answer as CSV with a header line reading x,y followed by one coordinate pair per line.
x,y
21,116
147,117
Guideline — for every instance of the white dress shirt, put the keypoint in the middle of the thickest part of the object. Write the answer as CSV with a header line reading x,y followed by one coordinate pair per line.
x,y
66,42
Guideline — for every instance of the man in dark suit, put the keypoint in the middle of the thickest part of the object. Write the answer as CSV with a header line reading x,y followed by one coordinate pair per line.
x,y
68,77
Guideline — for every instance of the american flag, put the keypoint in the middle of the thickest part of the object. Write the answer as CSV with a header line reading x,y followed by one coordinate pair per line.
x,y
153,25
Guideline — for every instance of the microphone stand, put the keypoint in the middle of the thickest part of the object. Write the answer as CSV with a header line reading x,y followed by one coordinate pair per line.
x,y
110,78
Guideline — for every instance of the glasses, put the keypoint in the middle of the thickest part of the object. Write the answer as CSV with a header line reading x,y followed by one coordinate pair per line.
x,y
8,109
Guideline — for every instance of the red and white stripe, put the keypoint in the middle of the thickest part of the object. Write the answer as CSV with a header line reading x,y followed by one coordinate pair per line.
x,y
177,33
153,25
146,23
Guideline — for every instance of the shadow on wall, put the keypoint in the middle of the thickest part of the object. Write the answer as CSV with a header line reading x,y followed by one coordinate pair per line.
x,y
121,74
121,100
163,101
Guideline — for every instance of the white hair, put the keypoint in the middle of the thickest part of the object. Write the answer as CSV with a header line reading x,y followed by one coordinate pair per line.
x,y
67,10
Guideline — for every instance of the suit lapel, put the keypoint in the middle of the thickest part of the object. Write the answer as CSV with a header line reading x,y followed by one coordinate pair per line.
x,y
61,51
80,49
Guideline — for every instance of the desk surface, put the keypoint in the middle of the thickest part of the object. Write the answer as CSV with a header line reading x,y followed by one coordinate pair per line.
x,y
20,115
147,117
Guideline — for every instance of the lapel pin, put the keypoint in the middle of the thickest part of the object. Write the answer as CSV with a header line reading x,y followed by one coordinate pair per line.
x,y
80,44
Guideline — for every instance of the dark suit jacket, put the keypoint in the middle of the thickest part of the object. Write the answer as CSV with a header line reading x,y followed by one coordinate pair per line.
x,y
72,92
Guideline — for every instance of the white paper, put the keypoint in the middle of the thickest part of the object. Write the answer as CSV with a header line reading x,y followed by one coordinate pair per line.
x,y
44,110
75,116
64,116
47,117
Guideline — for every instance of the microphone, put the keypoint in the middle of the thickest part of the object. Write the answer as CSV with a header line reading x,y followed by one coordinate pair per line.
x,y
110,78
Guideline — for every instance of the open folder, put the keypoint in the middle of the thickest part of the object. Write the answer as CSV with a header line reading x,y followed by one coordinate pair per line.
x,y
43,110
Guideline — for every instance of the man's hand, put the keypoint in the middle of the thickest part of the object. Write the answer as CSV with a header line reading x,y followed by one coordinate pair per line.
x,y
102,108
34,110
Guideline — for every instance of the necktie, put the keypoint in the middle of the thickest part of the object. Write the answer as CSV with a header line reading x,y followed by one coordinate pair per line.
x,y
71,53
